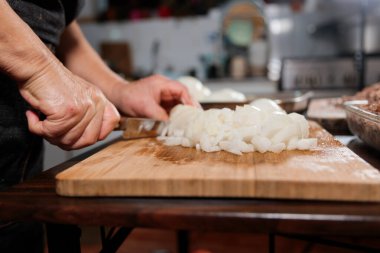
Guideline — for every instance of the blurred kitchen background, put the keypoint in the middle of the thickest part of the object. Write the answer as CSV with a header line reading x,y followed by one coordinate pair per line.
x,y
252,46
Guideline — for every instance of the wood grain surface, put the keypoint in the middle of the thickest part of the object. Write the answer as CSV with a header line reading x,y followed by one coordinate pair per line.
x,y
145,167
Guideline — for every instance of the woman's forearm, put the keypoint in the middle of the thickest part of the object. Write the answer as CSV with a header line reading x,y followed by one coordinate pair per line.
x,y
80,58
22,53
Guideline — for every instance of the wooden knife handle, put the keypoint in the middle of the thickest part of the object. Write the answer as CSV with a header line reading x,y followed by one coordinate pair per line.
x,y
122,124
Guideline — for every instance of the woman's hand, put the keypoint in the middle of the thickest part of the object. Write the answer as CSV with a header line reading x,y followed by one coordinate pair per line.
x,y
77,113
151,97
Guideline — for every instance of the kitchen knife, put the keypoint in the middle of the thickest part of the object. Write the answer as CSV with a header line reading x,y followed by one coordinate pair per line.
x,y
135,128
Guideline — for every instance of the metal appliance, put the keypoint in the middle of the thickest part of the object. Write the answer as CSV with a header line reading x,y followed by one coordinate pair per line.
x,y
326,73
325,44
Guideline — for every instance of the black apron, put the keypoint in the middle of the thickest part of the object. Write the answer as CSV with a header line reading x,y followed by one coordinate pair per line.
x,y
20,151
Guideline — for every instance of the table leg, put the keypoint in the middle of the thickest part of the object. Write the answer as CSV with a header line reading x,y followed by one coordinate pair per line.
x,y
272,242
182,241
63,238
115,238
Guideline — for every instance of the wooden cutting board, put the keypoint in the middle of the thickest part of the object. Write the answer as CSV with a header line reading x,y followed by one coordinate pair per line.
x,y
145,167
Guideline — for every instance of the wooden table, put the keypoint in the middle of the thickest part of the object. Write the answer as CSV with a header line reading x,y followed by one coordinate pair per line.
x,y
36,200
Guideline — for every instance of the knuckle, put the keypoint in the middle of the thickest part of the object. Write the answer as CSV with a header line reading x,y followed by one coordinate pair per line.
x,y
86,142
116,119
71,110
89,140
97,99
67,142
96,92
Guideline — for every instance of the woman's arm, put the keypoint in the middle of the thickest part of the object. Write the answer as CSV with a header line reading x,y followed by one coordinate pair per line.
x,y
23,54
79,57
149,97
77,113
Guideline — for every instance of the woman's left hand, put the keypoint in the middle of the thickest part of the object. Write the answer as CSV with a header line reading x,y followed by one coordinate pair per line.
x,y
151,97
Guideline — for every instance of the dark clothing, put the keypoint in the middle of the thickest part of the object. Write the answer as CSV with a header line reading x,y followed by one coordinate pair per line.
x,y
21,151
47,18
21,237
20,158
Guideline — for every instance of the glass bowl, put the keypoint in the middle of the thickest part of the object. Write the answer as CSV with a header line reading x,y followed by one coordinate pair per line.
x,y
363,123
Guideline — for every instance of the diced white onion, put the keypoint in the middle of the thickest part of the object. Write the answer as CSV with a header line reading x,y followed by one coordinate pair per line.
x,y
262,127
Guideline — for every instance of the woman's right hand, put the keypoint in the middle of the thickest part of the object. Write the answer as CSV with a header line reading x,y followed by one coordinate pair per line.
x,y
77,113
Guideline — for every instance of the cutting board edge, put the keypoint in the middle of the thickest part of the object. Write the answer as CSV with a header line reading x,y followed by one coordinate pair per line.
x,y
174,188
280,189
81,190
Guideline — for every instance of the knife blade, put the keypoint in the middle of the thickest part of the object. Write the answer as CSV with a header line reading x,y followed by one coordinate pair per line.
x,y
135,128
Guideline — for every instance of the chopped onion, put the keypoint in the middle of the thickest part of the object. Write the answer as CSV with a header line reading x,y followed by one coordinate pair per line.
x,y
262,126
